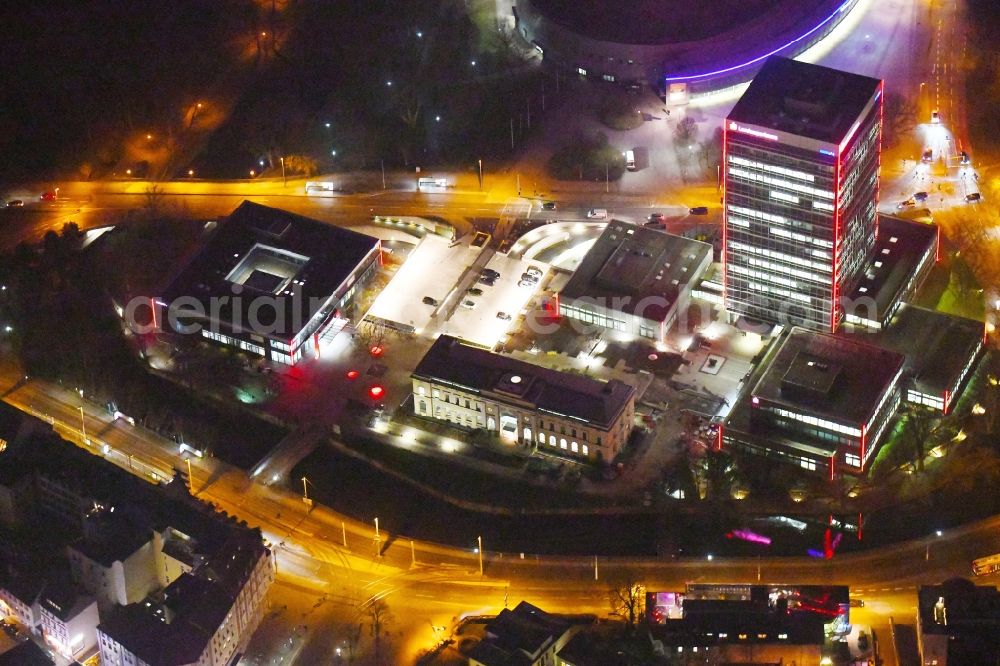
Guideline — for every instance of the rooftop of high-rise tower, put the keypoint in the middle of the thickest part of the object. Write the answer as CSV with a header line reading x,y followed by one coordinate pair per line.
x,y
805,99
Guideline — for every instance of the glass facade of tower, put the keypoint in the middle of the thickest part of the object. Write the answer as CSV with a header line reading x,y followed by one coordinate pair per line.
x,y
800,218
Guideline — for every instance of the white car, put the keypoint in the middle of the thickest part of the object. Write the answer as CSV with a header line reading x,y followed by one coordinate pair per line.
x,y
469,305
527,283
597,213
533,270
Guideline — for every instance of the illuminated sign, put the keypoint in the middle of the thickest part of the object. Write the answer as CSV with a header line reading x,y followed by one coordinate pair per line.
x,y
736,127
824,151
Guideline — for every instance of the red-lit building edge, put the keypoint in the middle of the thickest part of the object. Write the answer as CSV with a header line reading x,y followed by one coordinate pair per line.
x,y
786,439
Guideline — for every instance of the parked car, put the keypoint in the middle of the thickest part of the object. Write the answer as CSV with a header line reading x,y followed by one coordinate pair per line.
x,y
928,155
474,291
534,270
935,117
963,158
597,213
15,203
503,316
920,196
698,210
549,205
658,218
469,305
490,273
487,280
528,277
526,283
430,301
909,203
974,197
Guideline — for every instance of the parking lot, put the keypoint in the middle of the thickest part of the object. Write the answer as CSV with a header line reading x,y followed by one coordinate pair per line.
x,y
431,270
480,324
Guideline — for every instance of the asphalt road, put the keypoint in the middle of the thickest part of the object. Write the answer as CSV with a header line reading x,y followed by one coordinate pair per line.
x,y
429,584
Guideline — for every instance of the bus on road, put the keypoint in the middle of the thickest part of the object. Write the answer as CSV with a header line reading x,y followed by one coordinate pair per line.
x,y
986,565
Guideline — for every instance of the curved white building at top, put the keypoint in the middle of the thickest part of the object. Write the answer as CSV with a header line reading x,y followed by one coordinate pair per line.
x,y
677,45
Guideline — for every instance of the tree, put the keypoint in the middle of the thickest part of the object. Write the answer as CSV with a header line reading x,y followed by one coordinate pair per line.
x,y
899,116
301,164
719,472
686,131
380,617
921,432
626,596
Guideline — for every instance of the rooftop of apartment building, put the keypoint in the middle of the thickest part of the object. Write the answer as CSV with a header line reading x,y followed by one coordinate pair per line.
x,y
175,626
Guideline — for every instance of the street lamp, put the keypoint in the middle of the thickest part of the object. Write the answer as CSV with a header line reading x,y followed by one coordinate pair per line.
x,y
83,426
283,180
190,173
190,475
305,490
479,550
480,174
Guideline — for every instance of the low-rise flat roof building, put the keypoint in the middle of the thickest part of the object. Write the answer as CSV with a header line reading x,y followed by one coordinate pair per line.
x,y
636,280
904,255
270,282
941,351
550,411
820,401
739,623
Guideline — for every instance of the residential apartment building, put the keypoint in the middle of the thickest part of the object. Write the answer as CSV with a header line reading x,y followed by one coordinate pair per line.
x,y
801,159
526,635
153,576
546,410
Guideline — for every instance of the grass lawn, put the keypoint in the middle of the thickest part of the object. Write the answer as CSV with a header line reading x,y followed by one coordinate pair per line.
x,y
968,305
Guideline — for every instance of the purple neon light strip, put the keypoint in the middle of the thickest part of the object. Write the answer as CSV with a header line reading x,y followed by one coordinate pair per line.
x,y
766,55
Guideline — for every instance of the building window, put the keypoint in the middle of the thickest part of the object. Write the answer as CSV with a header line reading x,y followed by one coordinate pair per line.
x,y
585,435
852,460
586,450
552,440
541,438
423,407
562,443
575,447
573,431
421,391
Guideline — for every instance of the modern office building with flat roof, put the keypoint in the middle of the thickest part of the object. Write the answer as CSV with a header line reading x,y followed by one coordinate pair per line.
x,y
801,159
820,401
941,353
552,412
904,254
635,279
271,283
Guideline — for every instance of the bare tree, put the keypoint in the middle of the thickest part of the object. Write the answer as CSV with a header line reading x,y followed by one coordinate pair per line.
x,y
626,596
380,617
686,131
899,117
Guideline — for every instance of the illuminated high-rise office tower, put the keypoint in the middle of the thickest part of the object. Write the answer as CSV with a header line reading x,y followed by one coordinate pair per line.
x,y
801,161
